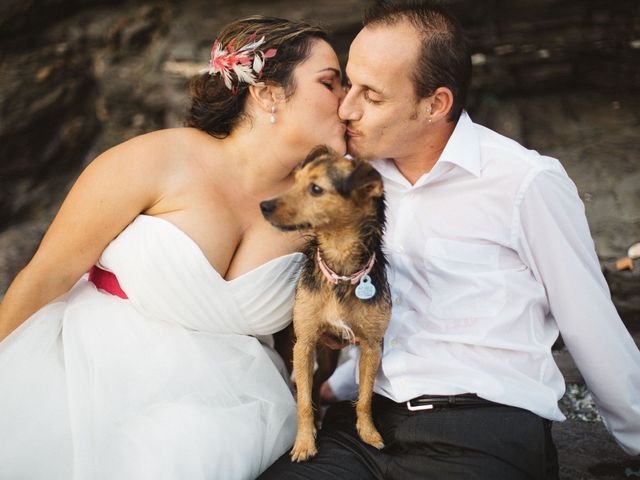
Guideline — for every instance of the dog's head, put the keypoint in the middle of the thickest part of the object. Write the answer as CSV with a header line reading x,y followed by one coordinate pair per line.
x,y
329,190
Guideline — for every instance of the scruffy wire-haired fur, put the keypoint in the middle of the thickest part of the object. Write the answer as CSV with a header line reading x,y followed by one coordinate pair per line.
x,y
444,59
341,203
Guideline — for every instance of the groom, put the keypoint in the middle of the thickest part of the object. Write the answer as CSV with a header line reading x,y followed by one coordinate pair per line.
x,y
490,257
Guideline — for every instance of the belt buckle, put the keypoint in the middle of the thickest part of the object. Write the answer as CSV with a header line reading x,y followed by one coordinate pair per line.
x,y
412,408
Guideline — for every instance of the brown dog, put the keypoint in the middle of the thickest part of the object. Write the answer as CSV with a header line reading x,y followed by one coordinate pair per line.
x,y
343,288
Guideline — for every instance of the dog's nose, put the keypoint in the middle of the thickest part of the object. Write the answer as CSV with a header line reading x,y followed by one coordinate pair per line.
x,y
268,206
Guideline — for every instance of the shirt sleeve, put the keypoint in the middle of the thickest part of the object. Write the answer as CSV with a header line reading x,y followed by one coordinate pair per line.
x,y
343,381
553,238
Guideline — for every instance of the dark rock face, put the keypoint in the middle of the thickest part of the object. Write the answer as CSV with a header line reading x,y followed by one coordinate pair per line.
x,y
524,47
625,288
48,122
587,452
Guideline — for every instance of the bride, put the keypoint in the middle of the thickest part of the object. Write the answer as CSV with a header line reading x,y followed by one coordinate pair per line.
x,y
151,366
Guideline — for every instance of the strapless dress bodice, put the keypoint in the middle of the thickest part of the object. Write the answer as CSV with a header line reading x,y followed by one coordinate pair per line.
x,y
166,276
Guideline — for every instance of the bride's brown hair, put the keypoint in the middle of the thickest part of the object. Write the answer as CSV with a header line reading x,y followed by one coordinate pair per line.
x,y
215,108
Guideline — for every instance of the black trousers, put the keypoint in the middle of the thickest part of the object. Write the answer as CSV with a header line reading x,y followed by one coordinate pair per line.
x,y
495,442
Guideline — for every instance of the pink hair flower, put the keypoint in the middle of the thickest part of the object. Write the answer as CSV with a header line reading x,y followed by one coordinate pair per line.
x,y
225,61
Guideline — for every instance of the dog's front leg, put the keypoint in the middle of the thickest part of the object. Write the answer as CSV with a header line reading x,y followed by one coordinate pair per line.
x,y
303,356
369,363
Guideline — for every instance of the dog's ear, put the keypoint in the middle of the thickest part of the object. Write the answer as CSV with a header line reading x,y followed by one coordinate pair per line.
x,y
316,152
365,180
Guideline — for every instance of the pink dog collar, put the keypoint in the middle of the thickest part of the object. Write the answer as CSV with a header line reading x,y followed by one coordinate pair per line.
x,y
334,278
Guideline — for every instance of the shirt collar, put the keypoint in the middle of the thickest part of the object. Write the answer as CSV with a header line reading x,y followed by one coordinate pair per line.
x,y
463,147
462,150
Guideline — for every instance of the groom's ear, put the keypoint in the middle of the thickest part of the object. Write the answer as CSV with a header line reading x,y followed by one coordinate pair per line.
x,y
266,96
436,107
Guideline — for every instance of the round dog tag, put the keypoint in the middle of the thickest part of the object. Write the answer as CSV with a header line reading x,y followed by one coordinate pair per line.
x,y
365,289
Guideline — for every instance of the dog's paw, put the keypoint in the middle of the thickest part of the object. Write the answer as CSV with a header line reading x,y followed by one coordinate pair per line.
x,y
370,435
303,449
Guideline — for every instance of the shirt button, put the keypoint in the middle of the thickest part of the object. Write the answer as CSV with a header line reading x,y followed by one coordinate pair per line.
x,y
400,249
393,343
397,301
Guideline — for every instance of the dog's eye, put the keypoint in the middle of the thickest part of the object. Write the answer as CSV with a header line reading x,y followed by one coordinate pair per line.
x,y
315,190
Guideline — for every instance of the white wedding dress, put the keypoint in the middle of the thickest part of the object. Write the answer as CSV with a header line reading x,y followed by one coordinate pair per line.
x,y
167,384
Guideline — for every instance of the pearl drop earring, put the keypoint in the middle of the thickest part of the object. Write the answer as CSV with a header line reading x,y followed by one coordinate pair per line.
x,y
272,118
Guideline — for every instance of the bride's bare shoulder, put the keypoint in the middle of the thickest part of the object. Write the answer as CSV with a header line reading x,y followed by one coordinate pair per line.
x,y
158,151
167,142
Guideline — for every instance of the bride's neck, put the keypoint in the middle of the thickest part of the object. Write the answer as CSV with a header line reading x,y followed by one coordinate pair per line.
x,y
257,164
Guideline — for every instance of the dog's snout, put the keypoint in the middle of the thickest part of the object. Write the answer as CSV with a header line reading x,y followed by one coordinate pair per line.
x,y
268,207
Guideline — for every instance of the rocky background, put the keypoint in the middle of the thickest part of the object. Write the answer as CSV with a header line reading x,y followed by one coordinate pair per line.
x,y
559,76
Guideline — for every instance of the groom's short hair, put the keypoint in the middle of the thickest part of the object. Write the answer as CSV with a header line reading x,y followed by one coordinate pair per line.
x,y
443,60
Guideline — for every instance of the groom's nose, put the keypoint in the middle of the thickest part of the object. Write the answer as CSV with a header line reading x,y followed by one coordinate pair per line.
x,y
348,109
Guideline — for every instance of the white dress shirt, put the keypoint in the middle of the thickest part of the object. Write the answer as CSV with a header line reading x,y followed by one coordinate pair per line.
x,y
490,256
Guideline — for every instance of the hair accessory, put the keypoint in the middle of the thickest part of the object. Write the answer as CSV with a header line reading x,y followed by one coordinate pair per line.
x,y
227,60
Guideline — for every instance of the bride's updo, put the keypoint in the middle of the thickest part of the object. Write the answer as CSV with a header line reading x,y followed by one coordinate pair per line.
x,y
218,97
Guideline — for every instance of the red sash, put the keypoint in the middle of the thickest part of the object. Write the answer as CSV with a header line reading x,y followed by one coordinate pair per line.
x,y
106,281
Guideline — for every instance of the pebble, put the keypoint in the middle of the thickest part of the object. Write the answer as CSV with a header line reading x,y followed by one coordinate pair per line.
x,y
578,404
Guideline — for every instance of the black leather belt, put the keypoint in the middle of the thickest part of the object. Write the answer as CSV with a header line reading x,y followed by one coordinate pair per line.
x,y
431,402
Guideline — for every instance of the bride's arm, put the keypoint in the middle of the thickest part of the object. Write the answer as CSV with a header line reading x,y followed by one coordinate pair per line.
x,y
107,196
